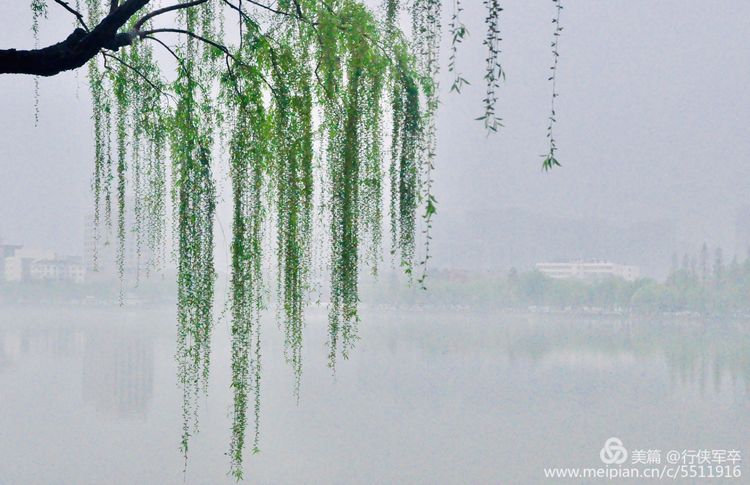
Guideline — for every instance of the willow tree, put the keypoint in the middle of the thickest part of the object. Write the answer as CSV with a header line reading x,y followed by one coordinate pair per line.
x,y
324,111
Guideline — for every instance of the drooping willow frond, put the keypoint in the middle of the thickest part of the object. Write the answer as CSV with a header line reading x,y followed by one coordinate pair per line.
x,y
38,11
250,152
494,72
550,160
458,32
319,107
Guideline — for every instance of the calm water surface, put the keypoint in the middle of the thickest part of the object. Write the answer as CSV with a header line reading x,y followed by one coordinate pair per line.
x,y
89,396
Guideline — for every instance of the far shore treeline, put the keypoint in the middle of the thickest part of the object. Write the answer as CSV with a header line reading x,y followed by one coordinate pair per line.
x,y
700,284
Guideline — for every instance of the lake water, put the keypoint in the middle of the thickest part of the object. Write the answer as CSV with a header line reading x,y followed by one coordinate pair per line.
x,y
89,396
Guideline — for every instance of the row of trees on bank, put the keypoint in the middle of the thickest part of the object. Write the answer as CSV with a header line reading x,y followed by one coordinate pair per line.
x,y
701,283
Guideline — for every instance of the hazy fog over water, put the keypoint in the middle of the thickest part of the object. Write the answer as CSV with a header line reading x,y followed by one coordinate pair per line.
x,y
426,398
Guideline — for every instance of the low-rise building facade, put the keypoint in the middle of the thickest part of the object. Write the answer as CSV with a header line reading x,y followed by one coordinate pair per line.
x,y
584,270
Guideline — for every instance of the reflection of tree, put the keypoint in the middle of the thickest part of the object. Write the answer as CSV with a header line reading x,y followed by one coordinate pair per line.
x,y
717,353
118,371
56,341
695,352
6,359
60,342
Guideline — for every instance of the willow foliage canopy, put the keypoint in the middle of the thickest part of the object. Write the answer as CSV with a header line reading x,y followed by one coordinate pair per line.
x,y
324,111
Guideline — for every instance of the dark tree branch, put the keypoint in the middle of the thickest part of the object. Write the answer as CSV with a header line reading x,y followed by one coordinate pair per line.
x,y
169,49
269,8
299,9
84,44
77,49
243,15
140,74
298,16
150,33
170,8
75,12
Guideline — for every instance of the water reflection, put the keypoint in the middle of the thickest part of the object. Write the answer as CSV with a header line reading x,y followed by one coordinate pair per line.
x,y
426,398
118,371
58,342
695,352
116,356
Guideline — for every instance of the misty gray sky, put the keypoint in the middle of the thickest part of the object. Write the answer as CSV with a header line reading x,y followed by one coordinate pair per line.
x,y
651,123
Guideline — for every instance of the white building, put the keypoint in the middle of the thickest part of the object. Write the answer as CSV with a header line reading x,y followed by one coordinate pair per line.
x,y
6,250
17,266
587,270
58,270
40,265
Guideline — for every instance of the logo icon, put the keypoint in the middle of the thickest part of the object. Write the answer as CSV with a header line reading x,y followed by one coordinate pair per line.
x,y
613,452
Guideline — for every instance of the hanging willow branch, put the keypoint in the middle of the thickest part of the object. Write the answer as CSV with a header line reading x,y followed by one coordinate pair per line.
x,y
550,160
494,72
321,107
458,32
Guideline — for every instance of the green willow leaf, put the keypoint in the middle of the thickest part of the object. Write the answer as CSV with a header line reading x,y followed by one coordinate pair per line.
x,y
323,115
